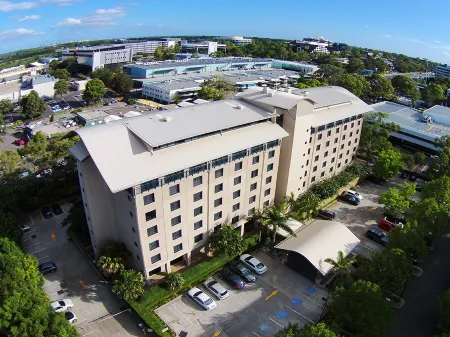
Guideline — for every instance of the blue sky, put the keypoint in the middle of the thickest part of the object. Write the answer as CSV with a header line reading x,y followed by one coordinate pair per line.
x,y
413,27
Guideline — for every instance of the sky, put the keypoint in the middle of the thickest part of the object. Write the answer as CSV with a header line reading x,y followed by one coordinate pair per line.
x,y
412,27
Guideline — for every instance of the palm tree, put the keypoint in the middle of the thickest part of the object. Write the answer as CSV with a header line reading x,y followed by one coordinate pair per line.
x,y
341,265
291,201
307,205
110,265
276,217
257,218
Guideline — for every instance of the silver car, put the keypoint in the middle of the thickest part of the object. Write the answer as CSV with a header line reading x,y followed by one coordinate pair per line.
x,y
202,299
253,263
216,288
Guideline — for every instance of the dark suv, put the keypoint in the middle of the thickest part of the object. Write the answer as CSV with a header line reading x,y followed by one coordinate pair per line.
x,y
232,279
47,268
243,272
377,235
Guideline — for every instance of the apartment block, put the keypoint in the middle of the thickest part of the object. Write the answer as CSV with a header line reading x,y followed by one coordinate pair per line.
x,y
162,183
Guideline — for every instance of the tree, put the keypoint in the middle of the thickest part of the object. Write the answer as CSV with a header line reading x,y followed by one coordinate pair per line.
x,y
355,65
275,218
403,85
398,200
228,241
361,309
61,87
174,281
32,105
438,189
309,330
354,83
122,83
408,160
6,107
341,265
105,75
95,89
434,94
210,94
159,53
390,269
380,88
419,158
24,307
307,205
330,71
110,265
389,163
115,249
61,74
36,148
431,215
409,240
440,166
444,311
129,284
375,134
10,161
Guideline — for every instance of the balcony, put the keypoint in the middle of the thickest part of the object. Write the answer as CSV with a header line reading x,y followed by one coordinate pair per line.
x,y
174,177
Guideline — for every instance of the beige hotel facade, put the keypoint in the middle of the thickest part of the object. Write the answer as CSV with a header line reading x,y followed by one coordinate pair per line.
x,y
162,183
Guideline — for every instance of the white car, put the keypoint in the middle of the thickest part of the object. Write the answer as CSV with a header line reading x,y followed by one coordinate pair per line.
x,y
216,288
24,228
70,316
355,194
253,263
62,305
202,299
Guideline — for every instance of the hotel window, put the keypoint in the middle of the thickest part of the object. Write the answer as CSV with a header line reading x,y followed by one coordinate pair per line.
x,y
236,207
332,160
348,151
314,168
176,220
266,203
236,194
198,181
218,188
216,228
152,230
177,248
328,133
237,180
198,196
324,164
353,124
156,258
219,173
217,202
331,169
238,166
268,180
313,179
198,238
252,199
325,154
198,211
267,192
269,167
317,148
153,245
327,144
339,165
335,140
345,127
351,134
198,224
342,146
253,186
337,130
254,173
174,189
322,174
255,160
175,205
131,214
319,136
251,211
316,158
340,156
235,220
307,162
148,199
271,154
218,216
150,215
176,235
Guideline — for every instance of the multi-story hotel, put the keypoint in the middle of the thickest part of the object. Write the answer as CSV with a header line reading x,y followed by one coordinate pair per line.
x,y
163,183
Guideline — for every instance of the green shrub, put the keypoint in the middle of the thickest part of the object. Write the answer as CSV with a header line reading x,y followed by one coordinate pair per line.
x,y
174,281
327,188
131,101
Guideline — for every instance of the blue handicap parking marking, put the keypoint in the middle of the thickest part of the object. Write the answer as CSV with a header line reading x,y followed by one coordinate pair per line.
x,y
311,289
357,249
265,327
282,314
297,301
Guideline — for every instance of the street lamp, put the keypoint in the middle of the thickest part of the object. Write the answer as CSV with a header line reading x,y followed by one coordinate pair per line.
x,y
325,299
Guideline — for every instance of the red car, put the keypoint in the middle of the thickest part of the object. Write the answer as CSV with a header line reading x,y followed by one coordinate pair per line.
x,y
19,142
389,226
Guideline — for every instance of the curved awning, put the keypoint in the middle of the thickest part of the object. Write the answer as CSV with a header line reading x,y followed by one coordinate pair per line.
x,y
320,240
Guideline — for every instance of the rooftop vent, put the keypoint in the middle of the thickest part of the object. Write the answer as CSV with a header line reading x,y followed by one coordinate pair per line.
x,y
289,90
167,119
239,107
271,94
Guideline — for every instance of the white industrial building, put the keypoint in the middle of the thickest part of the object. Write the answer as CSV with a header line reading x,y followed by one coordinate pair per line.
x,y
99,56
442,70
237,40
314,45
148,47
204,47
43,85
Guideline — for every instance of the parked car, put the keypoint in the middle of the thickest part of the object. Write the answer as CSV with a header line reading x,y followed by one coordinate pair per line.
x,y
419,188
47,212
355,194
389,226
70,317
232,279
349,199
326,214
403,174
376,180
47,268
202,299
24,228
243,272
216,288
253,263
398,218
57,209
375,234
19,142
24,175
371,162
412,177
62,305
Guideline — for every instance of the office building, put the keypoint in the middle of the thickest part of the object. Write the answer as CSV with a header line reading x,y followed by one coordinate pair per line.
x,y
236,40
204,47
314,45
162,183
42,84
442,70
296,66
147,47
418,130
99,56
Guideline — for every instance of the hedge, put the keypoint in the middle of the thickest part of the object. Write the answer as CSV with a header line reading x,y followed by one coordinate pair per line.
x,y
156,296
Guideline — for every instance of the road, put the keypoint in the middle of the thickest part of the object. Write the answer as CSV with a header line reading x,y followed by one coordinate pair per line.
x,y
418,317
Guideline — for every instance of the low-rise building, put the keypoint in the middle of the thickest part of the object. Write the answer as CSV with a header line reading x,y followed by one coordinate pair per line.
x,y
204,47
442,70
236,40
315,45
42,84
91,117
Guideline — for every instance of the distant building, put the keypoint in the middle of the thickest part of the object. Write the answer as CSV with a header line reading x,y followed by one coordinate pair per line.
x,y
205,47
42,84
90,118
47,60
442,70
12,69
79,85
237,40
314,45
99,56
296,66
148,47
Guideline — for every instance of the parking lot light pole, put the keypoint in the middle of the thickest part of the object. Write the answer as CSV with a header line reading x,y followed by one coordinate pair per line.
x,y
325,299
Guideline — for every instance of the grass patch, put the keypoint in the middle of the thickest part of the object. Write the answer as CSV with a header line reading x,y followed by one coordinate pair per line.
x,y
157,295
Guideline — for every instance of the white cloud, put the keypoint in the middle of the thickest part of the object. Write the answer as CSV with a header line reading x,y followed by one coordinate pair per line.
x,y
446,53
8,6
387,36
29,17
99,18
437,41
62,2
12,34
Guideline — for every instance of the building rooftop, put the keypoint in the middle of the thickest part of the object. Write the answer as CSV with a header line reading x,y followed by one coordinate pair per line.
x,y
95,48
410,122
177,84
92,114
43,79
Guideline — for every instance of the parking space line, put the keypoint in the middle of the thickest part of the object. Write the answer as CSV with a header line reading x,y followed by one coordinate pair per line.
x,y
181,313
54,293
43,219
276,322
31,219
39,258
89,333
39,250
212,319
32,245
256,334
80,321
49,284
299,314
309,298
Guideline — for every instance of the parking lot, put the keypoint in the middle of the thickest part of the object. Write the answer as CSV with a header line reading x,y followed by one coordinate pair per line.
x,y
76,279
261,309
